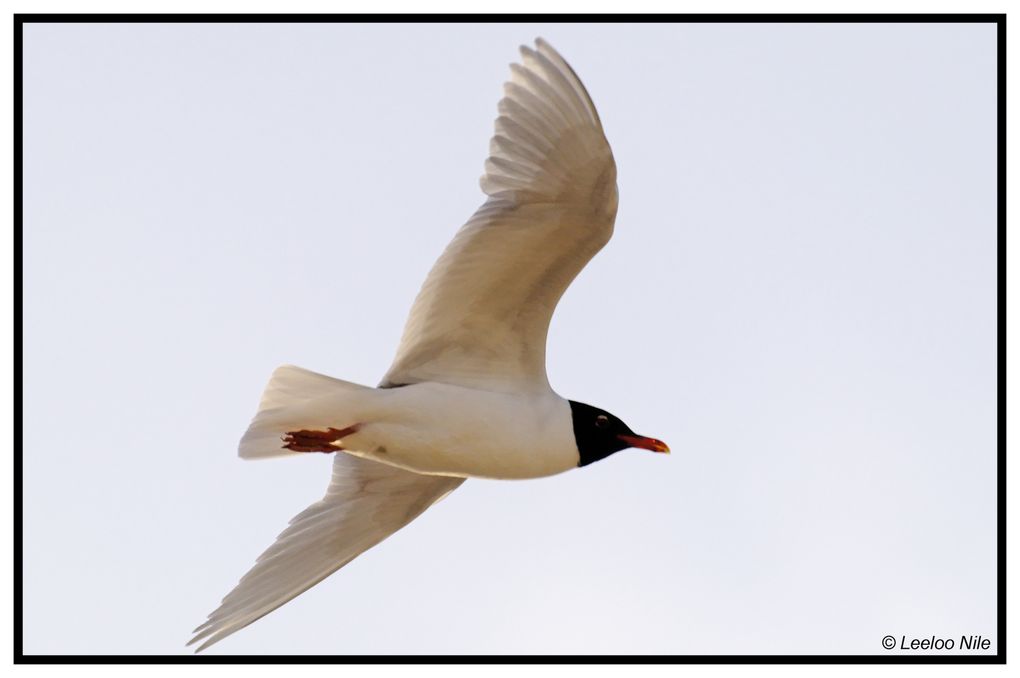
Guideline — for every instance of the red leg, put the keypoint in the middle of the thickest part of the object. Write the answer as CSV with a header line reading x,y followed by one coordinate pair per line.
x,y
307,440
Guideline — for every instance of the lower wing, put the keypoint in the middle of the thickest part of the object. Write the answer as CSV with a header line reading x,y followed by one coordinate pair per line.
x,y
365,503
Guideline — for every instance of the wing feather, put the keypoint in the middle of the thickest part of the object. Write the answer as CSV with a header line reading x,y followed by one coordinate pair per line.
x,y
483,313
365,503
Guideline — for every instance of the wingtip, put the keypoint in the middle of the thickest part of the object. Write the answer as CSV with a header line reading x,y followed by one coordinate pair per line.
x,y
542,45
207,637
201,631
200,627
204,645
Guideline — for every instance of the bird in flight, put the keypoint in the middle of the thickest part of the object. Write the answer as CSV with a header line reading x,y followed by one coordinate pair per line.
x,y
467,395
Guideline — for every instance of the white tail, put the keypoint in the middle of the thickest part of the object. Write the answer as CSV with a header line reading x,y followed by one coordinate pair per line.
x,y
295,399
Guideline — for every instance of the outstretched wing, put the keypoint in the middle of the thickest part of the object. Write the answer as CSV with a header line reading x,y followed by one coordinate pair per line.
x,y
365,503
482,315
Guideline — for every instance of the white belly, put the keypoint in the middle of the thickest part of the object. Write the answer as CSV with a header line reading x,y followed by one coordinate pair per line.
x,y
449,430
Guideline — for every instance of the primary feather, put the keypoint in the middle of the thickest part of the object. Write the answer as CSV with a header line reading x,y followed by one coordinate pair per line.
x,y
365,503
483,313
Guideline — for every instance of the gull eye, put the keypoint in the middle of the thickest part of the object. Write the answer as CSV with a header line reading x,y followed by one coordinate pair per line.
x,y
602,421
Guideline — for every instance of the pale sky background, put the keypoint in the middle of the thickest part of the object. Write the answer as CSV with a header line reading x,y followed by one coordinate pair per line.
x,y
800,298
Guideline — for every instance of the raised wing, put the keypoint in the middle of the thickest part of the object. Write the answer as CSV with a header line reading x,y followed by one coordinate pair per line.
x,y
365,503
482,315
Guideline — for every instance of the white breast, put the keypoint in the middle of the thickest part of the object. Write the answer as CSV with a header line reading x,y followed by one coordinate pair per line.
x,y
451,430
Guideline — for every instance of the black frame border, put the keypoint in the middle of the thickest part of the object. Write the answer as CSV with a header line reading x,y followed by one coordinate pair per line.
x,y
998,658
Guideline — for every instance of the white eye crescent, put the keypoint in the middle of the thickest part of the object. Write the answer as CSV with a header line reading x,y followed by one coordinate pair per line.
x,y
602,421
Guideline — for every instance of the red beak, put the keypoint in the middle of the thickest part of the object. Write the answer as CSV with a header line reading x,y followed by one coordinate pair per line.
x,y
645,443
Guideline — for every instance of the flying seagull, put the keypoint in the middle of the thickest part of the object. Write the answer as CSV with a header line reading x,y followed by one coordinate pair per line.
x,y
467,395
